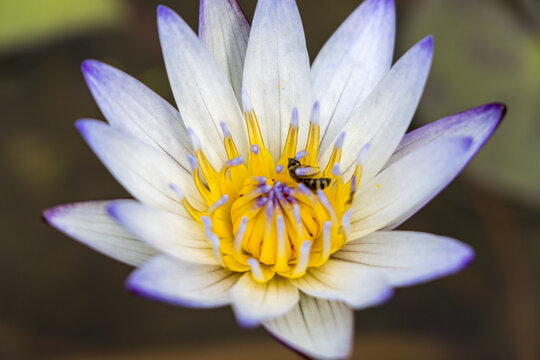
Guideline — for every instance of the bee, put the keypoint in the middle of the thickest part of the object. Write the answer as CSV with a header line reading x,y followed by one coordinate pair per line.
x,y
310,181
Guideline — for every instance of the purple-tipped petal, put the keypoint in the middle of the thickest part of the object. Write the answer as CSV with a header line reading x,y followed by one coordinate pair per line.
x,y
352,62
172,281
403,188
202,91
141,169
135,109
90,224
478,123
179,236
408,258
385,115
224,30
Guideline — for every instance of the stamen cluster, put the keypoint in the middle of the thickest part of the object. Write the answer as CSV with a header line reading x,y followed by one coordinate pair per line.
x,y
268,218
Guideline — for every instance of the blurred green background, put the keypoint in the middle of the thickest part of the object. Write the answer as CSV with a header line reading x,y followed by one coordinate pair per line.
x,y
60,300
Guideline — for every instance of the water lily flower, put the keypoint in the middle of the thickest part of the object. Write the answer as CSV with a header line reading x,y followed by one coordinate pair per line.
x,y
276,187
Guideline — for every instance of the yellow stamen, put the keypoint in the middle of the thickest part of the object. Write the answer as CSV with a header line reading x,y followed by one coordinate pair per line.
x,y
314,138
261,220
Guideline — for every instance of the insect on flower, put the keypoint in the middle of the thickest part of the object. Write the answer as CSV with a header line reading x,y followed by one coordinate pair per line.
x,y
306,178
251,194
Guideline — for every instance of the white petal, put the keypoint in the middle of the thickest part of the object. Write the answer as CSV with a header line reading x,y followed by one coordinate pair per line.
x,y
202,91
174,235
254,302
385,115
478,123
276,72
352,62
145,172
406,257
135,109
358,286
224,29
172,281
408,184
318,328
89,223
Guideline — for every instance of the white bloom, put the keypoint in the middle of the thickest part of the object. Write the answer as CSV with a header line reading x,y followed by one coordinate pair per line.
x,y
232,208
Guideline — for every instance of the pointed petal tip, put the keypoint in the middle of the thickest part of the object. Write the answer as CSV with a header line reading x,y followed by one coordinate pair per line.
x,y
87,127
245,322
467,260
464,260
386,296
427,43
134,285
384,4
384,10
49,215
84,126
164,11
91,67
494,106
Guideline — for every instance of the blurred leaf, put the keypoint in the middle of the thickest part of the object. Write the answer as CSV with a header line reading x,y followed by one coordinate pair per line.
x,y
28,22
484,54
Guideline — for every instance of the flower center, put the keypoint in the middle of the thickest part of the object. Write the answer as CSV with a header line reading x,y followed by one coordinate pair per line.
x,y
273,219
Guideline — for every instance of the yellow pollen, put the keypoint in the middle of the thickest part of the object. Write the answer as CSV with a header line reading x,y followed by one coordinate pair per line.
x,y
274,218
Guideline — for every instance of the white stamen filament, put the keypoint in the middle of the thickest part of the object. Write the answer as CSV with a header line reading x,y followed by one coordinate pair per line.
x,y
346,223
222,201
214,240
256,270
328,207
303,259
298,221
327,240
239,237
281,255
